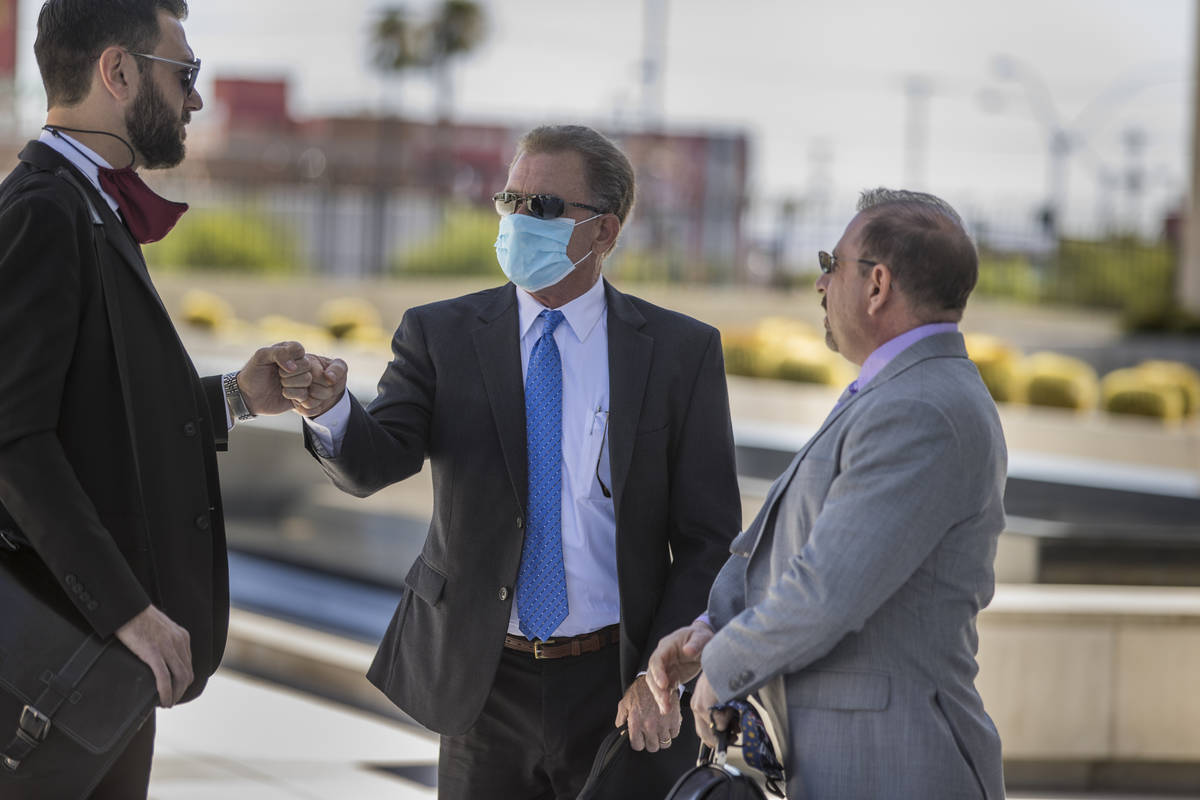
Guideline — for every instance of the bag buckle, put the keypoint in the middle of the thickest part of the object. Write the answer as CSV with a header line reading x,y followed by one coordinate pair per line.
x,y
34,724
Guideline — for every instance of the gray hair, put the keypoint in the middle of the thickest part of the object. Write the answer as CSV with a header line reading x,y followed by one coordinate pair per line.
x,y
608,171
879,196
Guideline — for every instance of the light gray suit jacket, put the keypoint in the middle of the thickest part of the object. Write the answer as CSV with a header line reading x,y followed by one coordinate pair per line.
x,y
859,583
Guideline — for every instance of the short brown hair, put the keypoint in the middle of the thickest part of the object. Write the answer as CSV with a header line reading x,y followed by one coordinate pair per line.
x,y
73,33
608,171
922,240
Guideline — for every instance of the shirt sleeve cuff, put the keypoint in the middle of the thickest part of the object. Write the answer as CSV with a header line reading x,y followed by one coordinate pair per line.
x,y
329,429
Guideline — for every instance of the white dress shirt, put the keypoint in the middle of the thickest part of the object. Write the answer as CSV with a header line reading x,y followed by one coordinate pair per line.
x,y
589,528
77,159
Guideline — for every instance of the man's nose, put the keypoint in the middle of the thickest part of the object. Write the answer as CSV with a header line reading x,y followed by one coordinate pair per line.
x,y
194,101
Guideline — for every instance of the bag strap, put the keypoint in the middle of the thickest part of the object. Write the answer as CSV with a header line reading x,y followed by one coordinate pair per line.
x,y
35,721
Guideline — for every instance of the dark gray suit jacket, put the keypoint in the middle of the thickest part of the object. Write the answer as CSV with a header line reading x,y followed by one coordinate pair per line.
x,y
859,582
108,437
453,393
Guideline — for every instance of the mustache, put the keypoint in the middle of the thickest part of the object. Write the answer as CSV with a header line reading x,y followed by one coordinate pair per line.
x,y
823,306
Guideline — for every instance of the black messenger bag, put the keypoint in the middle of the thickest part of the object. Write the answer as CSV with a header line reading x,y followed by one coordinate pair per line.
x,y
74,690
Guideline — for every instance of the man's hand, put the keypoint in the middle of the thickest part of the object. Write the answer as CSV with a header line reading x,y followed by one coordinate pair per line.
x,y
649,729
165,647
316,387
676,660
703,699
259,380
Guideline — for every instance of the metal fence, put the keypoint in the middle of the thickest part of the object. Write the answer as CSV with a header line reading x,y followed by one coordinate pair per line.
x,y
358,232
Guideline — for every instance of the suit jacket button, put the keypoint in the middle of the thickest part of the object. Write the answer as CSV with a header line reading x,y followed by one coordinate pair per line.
x,y
189,429
71,580
202,522
520,521
741,680
92,606
503,593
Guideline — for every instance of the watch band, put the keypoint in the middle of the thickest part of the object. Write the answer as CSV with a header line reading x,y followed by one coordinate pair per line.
x,y
233,396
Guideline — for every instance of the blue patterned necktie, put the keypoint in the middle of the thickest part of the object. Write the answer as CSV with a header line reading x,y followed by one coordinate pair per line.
x,y
542,580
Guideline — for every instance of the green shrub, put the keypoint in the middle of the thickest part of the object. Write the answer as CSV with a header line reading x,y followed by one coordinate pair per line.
x,y
1140,392
465,244
227,239
1009,276
1119,272
998,364
1052,379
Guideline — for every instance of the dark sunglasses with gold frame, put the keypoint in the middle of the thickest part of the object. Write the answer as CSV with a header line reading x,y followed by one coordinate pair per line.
x,y
542,206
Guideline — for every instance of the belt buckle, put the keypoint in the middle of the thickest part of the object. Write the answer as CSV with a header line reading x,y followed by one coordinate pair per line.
x,y
34,723
538,644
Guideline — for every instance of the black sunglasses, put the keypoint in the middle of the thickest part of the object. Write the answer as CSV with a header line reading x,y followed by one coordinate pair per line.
x,y
188,79
542,206
830,263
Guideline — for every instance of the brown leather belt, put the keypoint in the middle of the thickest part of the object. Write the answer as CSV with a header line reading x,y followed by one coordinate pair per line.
x,y
562,647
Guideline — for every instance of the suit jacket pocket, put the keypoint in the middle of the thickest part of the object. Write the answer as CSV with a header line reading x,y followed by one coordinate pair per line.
x,y
840,690
425,581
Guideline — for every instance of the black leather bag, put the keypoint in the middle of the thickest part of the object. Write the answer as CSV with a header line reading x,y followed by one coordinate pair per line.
x,y
613,751
713,779
73,689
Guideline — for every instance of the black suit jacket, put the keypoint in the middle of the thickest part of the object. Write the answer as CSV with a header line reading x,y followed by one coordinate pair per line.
x,y
107,435
453,393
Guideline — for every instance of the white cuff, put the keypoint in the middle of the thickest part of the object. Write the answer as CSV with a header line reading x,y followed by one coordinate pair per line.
x,y
329,429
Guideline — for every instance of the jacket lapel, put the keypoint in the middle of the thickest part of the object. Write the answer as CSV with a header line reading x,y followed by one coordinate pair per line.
x,y
944,345
629,355
116,234
498,347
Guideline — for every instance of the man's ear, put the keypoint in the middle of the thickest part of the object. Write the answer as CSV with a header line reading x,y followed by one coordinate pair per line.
x,y
117,73
606,238
879,288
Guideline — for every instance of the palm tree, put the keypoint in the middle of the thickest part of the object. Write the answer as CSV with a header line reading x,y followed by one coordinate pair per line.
x,y
398,44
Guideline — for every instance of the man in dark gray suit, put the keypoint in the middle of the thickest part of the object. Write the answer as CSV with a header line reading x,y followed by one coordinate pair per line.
x,y
849,604
584,491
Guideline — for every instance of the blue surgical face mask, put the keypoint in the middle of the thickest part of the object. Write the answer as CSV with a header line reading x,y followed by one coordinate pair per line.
x,y
533,252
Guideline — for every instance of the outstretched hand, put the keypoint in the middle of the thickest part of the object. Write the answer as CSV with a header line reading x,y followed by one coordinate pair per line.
x,y
316,386
675,661
259,380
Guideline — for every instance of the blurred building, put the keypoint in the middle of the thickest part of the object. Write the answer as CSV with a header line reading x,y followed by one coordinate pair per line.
x,y
387,172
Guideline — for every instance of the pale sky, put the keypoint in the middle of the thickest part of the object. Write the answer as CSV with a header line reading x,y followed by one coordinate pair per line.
x,y
818,86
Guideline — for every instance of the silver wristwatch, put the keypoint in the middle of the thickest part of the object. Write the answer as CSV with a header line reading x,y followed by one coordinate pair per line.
x,y
233,396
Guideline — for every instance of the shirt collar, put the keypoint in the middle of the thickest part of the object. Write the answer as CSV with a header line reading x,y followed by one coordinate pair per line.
x,y
581,314
78,159
889,350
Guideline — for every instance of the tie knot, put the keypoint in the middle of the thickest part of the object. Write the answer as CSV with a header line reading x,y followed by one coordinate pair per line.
x,y
551,319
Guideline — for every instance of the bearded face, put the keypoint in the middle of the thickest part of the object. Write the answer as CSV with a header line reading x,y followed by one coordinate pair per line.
x,y
156,131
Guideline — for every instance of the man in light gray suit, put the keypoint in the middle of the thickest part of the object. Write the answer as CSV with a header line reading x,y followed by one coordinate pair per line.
x,y
854,592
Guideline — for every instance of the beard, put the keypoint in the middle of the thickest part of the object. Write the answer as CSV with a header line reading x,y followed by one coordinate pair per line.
x,y
155,131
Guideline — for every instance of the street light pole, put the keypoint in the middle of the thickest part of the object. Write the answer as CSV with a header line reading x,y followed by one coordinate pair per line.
x,y
1059,138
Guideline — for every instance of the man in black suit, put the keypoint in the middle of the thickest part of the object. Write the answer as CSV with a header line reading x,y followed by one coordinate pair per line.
x,y
108,475
584,491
